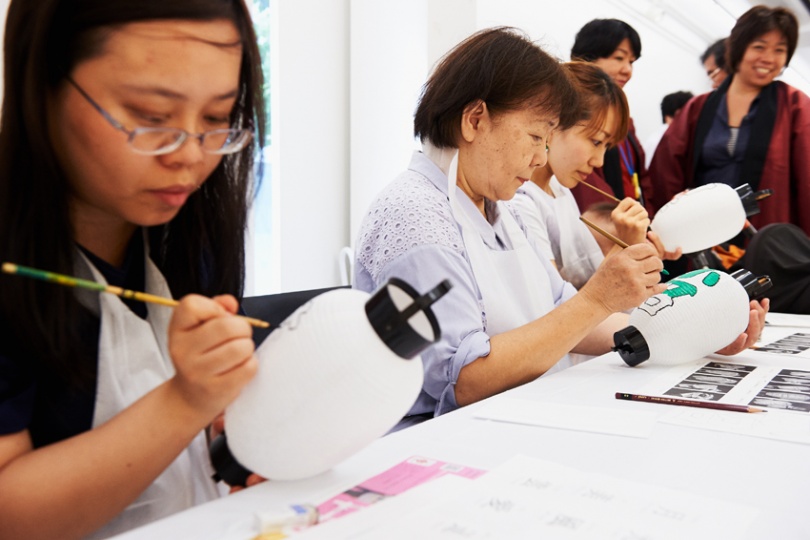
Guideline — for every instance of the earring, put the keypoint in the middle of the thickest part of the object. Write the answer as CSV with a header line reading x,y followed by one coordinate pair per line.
x,y
546,148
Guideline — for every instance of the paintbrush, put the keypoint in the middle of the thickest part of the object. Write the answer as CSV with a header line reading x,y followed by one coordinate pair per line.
x,y
71,281
616,240
605,193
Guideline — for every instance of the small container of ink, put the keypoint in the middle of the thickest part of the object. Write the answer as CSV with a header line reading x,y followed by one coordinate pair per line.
x,y
289,519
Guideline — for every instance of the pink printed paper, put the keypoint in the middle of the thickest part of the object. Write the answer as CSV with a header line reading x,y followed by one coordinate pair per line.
x,y
398,479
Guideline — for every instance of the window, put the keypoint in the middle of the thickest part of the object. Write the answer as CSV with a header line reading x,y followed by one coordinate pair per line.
x,y
263,244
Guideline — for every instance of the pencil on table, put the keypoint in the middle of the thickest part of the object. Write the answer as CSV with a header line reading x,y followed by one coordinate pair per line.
x,y
71,281
689,403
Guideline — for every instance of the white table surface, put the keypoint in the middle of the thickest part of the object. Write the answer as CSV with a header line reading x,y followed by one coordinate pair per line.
x,y
771,475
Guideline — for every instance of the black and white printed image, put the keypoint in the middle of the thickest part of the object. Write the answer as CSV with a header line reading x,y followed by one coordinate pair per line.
x,y
721,373
715,379
692,394
789,390
729,367
799,388
787,347
795,373
800,342
711,382
787,396
771,403
790,380
779,350
792,344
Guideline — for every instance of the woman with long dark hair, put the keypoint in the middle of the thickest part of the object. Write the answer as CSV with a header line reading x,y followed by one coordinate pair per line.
x,y
126,153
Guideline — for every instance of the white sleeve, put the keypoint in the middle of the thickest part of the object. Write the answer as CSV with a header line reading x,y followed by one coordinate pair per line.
x,y
534,222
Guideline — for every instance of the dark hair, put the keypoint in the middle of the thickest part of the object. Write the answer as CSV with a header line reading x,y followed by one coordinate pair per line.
x,y
598,94
754,23
716,50
673,102
601,37
501,67
44,41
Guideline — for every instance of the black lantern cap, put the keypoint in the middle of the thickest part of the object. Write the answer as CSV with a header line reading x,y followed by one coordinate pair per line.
x,y
226,468
631,346
393,326
753,285
749,199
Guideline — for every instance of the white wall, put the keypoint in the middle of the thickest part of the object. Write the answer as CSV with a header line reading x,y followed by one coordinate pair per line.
x,y
394,44
388,62
311,136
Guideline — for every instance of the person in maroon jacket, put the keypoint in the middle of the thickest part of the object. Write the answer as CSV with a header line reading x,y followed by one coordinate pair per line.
x,y
751,130
614,46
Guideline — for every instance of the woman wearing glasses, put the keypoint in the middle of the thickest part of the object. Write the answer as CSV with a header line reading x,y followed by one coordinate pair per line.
x,y
125,157
751,130
714,62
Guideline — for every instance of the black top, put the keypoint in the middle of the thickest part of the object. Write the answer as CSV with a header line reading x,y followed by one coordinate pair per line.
x,y
761,118
44,402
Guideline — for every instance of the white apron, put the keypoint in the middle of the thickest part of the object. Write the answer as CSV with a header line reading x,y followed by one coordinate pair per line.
x,y
579,253
514,284
133,359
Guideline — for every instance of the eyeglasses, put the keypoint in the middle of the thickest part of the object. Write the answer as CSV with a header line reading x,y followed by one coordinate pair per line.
x,y
714,73
156,141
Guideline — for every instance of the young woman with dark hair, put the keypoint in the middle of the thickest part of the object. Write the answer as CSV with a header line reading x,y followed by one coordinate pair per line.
x,y
546,204
126,156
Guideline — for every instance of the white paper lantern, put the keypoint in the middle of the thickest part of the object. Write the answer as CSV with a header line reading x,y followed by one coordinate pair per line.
x,y
335,375
699,313
700,218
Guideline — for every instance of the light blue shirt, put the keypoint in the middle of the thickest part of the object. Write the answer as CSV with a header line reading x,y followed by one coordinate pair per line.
x,y
410,233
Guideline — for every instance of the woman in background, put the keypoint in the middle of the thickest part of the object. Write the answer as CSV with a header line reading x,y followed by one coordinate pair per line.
x,y
614,46
125,157
751,130
714,62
